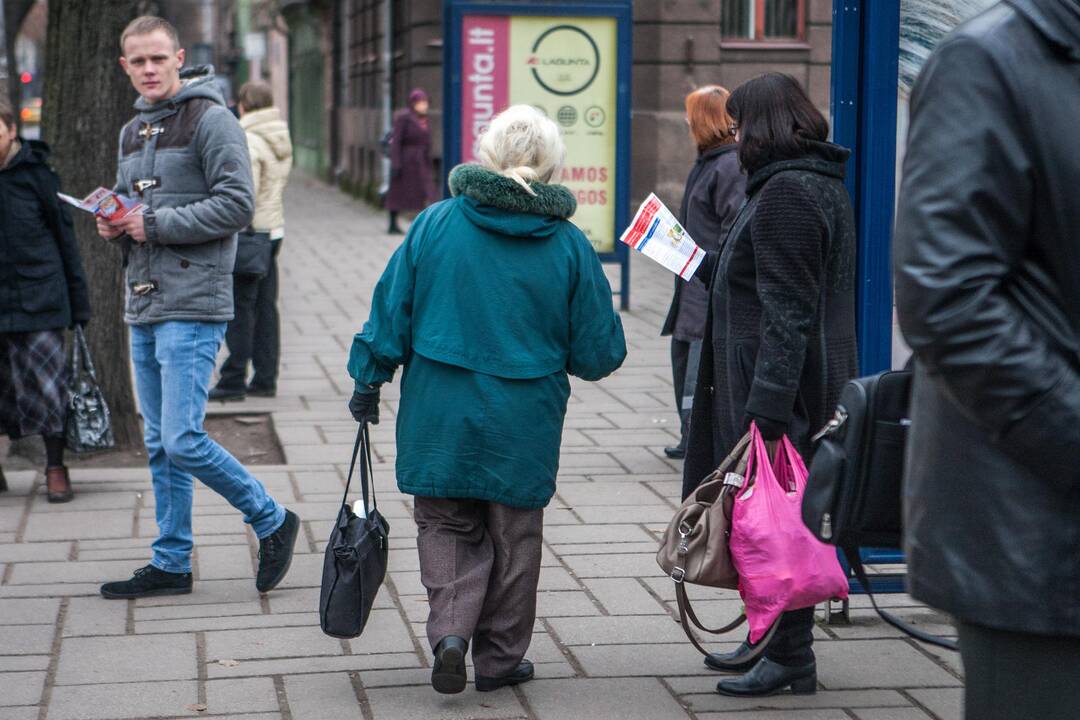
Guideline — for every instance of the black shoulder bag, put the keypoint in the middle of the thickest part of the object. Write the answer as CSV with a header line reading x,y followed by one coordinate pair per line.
x,y
852,496
355,562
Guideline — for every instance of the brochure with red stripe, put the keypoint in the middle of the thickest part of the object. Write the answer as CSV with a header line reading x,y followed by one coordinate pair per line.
x,y
658,234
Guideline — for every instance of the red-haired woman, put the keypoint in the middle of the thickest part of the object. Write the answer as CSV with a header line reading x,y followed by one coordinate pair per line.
x,y
714,192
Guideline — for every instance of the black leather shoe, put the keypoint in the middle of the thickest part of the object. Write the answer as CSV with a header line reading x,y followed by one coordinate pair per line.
x,y
675,453
276,553
227,394
522,673
267,392
148,582
448,674
723,662
768,678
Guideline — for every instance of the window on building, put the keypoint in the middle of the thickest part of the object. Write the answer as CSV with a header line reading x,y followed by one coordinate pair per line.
x,y
763,20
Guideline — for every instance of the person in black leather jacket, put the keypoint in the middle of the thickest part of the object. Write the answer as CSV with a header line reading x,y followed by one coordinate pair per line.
x,y
987,263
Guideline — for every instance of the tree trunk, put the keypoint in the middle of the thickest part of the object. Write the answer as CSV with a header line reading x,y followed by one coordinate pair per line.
x,y
87,100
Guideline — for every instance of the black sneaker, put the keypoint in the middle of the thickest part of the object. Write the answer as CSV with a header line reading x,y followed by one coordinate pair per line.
x,y
148,582
275,553
267,392
227,394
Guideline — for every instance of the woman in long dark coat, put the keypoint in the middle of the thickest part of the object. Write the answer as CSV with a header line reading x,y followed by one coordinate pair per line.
x,y
42,292
714,191
412,186
780,339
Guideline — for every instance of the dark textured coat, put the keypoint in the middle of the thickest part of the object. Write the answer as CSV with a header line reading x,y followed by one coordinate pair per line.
x,y
411,184
780,339
714,192
42,285
987,262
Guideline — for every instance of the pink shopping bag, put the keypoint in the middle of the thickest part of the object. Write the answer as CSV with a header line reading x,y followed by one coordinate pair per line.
x,y
781,565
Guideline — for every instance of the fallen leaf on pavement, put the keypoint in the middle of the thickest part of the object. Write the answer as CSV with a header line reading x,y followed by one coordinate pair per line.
x,y
197,707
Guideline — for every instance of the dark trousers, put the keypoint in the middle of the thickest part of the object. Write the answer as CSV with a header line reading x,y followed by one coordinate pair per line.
x,y
793,644
684,370
1017,676
480,563
254,333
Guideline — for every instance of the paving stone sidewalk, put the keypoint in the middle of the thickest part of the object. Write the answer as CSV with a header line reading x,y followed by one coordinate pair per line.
x,y
606,644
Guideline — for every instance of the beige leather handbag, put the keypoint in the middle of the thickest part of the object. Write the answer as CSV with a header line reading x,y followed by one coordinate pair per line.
x,y
694,548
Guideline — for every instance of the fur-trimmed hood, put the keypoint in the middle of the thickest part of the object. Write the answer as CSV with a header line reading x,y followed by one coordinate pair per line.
x,y
490,188
500,205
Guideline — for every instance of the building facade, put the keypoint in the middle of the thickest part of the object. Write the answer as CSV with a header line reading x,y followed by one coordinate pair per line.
x,y
373,52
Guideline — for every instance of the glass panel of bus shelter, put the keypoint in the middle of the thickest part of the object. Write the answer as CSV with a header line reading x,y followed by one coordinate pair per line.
x,y
923,24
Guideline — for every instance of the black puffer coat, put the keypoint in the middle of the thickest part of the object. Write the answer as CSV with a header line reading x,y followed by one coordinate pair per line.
x,y
780,339
714,192
987,262
42,286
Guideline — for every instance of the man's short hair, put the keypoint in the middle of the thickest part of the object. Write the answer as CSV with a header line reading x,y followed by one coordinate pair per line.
x,y
255,95
7,113
146,24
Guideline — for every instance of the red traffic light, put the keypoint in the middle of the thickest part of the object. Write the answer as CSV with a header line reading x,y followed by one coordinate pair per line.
x,y
26,78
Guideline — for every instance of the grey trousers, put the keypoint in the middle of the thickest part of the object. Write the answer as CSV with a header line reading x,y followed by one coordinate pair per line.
x,y
685,357
1016,676
480,563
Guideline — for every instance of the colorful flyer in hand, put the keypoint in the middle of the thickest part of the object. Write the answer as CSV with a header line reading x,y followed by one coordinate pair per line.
x,y
657,233
106,204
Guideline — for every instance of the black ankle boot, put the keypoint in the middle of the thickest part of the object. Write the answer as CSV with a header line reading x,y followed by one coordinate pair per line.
x,y
148,582
727,662
448,674
769,677
522,673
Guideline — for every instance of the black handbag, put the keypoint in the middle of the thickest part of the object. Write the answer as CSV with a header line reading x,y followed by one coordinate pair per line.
x,y
88,425
355,562
254,253
852,496
853,492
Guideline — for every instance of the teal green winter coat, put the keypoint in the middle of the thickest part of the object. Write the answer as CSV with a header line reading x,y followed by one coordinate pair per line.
x,y
493,297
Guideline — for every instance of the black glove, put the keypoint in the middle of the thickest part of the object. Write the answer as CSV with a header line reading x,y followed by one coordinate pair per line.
x,y
365,407
771,430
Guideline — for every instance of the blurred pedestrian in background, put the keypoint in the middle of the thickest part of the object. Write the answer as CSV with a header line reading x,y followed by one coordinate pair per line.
x,y
412,186
42,292
493,298
780,340
987,263
254,332
714,193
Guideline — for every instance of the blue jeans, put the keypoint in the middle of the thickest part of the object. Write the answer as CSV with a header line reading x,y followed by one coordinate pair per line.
x,y
173,364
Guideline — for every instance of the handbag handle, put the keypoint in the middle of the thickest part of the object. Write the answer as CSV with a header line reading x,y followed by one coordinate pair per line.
x,y
361,448
80,355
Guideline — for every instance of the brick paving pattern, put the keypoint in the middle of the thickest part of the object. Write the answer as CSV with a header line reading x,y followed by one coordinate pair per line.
x,y
605,645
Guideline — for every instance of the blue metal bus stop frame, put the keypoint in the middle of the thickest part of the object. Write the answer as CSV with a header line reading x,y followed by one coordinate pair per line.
x,y
454,12
865,64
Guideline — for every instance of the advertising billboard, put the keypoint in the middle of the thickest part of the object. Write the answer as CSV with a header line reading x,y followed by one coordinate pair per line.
x,y
572,62
565,67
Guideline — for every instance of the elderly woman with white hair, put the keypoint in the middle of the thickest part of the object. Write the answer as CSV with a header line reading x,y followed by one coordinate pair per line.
x,y
491,301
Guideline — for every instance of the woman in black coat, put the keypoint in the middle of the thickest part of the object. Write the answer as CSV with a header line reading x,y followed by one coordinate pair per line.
x,y
780,339
42,292
714,191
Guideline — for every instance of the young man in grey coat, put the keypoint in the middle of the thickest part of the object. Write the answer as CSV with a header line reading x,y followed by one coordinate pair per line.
x,y
185,157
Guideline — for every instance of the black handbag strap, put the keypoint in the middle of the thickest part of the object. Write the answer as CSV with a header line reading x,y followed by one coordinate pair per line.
x,y
361,449
855,561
